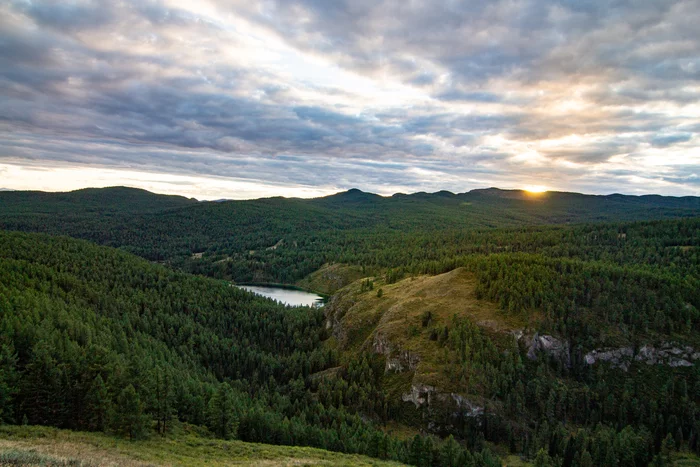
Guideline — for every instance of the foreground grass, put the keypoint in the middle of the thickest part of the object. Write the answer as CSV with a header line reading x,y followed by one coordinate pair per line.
x,y
32,445
684,459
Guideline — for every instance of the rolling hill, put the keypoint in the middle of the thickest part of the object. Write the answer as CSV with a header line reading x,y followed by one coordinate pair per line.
x,y
232,236
460,327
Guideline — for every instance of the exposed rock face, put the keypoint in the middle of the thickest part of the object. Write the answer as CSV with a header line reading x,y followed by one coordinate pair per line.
x,y
466,406
667,354
618,358
276,245
402,360
423,395
381,344
420,394
334,310
393,364
549,345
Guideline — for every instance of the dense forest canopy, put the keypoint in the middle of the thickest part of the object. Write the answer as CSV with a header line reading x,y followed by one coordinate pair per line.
x,y
235,238
128,346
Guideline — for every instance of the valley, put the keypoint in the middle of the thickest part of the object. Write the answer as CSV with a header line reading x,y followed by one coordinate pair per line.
x,y
475,329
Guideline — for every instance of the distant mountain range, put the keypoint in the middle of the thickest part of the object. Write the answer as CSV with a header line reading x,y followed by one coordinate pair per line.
x,y
161,227
490,207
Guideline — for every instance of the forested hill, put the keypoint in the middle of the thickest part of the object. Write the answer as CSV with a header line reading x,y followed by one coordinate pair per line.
x,y
171,228
566,344
98,201
92,338
490,207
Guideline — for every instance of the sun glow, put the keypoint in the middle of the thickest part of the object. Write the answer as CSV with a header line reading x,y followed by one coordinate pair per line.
x,y
536,188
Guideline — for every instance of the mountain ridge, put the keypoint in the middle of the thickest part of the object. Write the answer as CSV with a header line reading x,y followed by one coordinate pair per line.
x,y
172,228
357,192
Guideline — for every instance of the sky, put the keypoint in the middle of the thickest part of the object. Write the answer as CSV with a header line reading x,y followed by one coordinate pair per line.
x,y
244,99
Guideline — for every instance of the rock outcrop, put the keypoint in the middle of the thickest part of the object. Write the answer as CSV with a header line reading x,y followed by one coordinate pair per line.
x,y
618,358
420,394
334,310
424,396
396,360
666,354
466,406
549,345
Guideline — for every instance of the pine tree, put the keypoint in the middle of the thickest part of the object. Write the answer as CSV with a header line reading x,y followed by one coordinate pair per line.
x,y
417,451
98,404
586,460
542,459
667,447
610,458
569,452
163,399
678,438
129,419
8,382
450,452
42,387
222,417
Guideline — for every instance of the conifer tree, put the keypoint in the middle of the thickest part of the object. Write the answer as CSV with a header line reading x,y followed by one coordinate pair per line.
x,y
586,460
162,390
98,404
450,452
129,419
222,417
542,459
417,454
8,382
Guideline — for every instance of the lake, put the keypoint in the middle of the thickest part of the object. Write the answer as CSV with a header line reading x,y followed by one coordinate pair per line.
x,y
287,296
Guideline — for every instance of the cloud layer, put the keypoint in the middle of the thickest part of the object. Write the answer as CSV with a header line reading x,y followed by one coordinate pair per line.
x,y
307,97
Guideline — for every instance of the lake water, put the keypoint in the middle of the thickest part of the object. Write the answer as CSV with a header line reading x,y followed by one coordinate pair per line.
x,y
287,296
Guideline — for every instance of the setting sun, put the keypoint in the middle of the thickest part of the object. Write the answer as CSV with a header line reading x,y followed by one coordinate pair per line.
x,y
536,188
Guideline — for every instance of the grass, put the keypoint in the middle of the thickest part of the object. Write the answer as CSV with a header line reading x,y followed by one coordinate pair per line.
x,y
515,461
685,459
51,447
399,317
330,278
19,457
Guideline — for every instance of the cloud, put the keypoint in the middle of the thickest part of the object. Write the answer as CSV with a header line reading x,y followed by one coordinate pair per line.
x,y
598,96
663,141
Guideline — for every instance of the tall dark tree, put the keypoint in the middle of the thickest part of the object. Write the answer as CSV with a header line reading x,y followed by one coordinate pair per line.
x,y
129,418
222,415
8,382
98,404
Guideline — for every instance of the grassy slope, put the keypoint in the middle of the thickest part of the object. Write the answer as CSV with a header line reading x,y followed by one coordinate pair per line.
x,y
331,278
359,317
51,446
397,317
26,445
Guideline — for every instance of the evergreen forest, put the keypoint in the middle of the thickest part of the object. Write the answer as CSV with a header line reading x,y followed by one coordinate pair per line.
x,y
576,343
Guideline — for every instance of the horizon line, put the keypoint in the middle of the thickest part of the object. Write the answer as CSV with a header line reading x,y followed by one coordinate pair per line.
x,y
534,193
